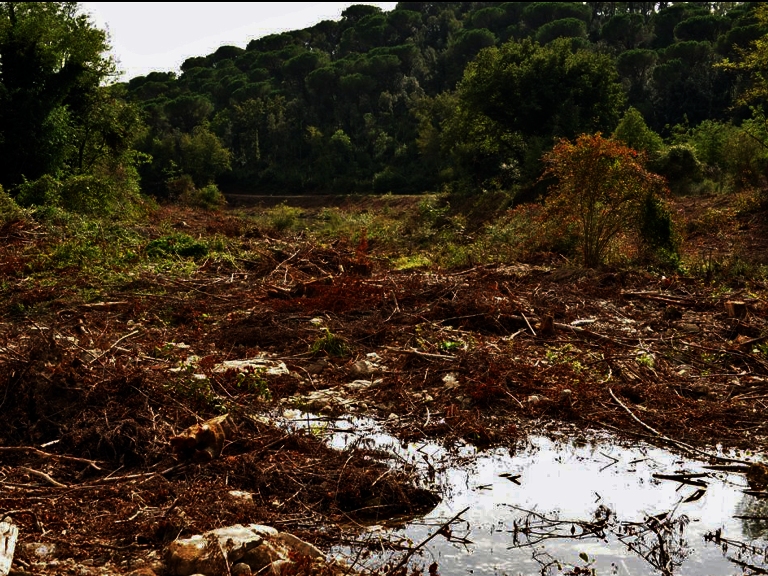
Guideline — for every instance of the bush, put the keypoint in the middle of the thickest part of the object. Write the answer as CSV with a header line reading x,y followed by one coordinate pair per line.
x,y
45,191
209,197
10,211
680,166
601,187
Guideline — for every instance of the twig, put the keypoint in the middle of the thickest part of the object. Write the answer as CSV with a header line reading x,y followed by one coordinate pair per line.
x,y
529,324
44,476
416,548
680,445
48,455
417,353
115,344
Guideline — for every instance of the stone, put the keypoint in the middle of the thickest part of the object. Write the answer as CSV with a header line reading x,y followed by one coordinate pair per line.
x,y
242,497
362,368
298,545
252,549
258,365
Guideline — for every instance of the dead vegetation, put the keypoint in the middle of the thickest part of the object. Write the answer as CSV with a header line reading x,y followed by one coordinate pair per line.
x,y
94,390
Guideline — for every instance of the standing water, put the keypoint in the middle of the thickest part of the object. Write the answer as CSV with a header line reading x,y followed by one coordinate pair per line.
x,y
570,507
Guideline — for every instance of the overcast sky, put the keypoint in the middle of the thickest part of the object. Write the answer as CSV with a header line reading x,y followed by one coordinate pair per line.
x,y
149,36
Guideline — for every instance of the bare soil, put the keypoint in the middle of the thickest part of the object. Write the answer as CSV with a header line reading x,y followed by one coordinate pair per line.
x,y
91,392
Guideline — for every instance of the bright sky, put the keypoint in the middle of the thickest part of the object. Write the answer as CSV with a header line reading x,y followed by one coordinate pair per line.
x,y
159,36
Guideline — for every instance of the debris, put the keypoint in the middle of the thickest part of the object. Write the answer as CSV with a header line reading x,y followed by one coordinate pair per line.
x,y
201,442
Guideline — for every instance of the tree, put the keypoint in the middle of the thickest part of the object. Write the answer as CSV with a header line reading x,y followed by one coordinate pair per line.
x,y
754,63
518,98
634,132
601,187
52,62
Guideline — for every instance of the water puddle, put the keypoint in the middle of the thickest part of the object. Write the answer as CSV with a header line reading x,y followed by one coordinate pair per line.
x,y
563,506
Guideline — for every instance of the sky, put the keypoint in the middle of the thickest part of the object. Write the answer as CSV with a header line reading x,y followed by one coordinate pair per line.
x,y
159,36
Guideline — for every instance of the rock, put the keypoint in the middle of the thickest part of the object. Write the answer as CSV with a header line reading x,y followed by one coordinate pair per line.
x,y
450,381
298,545
242,497
317,367
193,556
142,572
362,368
40,550
252,549
689,328
9,534
258,365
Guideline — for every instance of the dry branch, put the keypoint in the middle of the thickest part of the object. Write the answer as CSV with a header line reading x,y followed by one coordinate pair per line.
x,y
39,452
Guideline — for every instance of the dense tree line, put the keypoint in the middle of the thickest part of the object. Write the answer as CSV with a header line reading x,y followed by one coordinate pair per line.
x,y
431,94
464,95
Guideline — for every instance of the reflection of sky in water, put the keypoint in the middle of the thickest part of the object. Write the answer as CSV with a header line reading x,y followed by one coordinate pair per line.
x,y
559,479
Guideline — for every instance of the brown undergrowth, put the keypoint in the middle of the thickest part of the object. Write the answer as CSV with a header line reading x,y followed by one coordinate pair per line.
x,y
92,390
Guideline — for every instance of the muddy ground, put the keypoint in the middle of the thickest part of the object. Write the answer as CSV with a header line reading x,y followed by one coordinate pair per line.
x,y
91,392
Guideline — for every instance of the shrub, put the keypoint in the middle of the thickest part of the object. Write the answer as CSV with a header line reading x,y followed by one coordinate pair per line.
x,y
601,186
680,166
9,209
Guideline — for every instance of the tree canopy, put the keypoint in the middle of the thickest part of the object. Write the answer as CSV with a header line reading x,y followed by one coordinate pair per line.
x,y
52,61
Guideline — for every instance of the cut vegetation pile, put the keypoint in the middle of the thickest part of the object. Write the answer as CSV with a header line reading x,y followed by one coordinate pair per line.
x,y
116,340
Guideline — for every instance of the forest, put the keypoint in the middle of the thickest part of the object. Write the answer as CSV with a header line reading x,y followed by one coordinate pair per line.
x,y
429,97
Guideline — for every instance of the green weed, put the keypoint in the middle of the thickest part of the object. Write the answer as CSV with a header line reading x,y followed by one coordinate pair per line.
x,y
177,244
331,344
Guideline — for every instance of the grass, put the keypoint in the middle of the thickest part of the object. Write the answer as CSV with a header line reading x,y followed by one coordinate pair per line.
x,y
88,255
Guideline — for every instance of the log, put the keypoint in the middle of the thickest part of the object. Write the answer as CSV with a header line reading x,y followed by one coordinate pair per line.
x,y
9,533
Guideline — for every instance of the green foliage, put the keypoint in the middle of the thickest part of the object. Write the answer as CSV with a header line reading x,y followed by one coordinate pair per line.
x,y
514,99
45,191
657,232
53,62
331,344
177,244
197,388
634,132
254,383
203,156
208,197
10,211
370,103
680,166
564,28
283,217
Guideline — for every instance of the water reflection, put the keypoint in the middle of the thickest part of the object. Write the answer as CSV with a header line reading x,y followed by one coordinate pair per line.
x,y
555,506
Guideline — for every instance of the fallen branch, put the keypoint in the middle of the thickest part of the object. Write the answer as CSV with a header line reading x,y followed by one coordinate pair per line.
x,y
39,452
666,299
44,476
418,353
680,445
423,543
115,344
